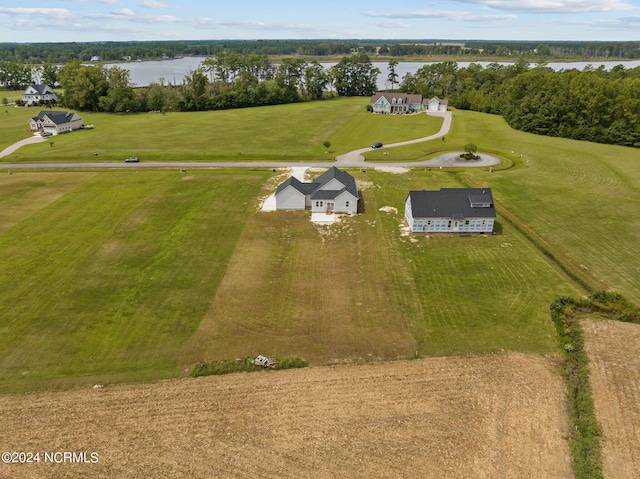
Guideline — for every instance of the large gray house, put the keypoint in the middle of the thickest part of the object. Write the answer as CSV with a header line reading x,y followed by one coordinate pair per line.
x,y
450,210
334,191
395,103
55,122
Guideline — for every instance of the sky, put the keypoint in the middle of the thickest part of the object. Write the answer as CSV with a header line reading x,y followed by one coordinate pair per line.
x,y
126,20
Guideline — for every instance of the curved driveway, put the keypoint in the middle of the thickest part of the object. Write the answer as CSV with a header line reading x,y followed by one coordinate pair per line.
x,y
27,141
351,159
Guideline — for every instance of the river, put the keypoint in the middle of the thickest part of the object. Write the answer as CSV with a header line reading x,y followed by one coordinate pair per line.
x,y
174,71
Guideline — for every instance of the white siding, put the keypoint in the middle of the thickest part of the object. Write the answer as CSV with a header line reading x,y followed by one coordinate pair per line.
x,y
290,199
449,225
343,203
408,213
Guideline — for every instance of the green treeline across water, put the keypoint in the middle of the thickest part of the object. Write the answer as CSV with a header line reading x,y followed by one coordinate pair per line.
x,y
592,104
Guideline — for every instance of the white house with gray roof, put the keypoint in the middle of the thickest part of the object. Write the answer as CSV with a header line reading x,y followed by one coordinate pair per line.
x,y
395,103
334,191
437,104
56,122
450,210
39,94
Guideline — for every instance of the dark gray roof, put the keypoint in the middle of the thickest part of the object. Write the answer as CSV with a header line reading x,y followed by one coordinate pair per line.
x,y
327,194
452,203
58,117
313,188
345,178
304,188
40,88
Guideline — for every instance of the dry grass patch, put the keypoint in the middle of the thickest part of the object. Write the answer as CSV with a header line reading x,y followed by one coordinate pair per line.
x,y
614,354
322,292
490,416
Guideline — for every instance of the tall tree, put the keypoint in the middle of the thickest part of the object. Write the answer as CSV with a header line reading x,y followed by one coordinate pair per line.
x,y
83,85
355,76
120,96
392,77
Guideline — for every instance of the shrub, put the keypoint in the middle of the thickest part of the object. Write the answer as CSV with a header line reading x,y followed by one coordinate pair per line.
x,y
227,366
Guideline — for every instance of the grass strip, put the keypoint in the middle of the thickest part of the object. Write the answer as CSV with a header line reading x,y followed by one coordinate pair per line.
x,y
585,431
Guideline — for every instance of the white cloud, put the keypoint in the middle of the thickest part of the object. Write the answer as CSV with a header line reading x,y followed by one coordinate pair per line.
x,y
52,13
555,6
124,12
153,4
443,14
416,14
396,24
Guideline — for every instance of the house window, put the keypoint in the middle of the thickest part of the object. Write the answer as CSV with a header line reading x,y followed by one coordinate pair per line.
x,y
346,204
466,222
429,222
393,101
449,225
400,100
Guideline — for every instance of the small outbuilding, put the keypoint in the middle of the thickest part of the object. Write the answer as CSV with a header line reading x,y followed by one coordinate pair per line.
x,y
450,210
437,104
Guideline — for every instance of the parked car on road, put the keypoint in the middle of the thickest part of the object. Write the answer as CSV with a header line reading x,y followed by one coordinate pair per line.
x,y
133,159
377,145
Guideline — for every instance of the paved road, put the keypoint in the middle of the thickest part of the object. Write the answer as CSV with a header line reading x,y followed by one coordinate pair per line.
x,y
351,159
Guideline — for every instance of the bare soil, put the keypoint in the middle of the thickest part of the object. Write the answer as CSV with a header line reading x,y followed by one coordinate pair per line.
x,y
499,415
614,354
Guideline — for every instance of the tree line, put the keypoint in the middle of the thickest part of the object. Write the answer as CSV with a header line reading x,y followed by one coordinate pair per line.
x,y
593,104
228,80
60,53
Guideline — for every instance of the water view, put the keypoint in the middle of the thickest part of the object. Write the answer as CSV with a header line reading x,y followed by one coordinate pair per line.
x,y
173,71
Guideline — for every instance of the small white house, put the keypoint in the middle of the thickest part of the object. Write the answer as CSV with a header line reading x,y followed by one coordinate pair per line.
x,y
436,104
334,191
450,210
56,122
395,103
34,94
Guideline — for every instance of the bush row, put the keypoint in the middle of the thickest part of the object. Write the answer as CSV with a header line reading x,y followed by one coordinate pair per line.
x,y
211,368
585,430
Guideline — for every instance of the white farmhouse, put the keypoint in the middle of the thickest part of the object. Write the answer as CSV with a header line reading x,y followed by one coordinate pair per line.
x,y
55,122
395,103
38,94
450,210
332,192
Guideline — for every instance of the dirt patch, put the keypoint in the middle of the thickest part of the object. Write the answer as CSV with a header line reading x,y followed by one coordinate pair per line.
x,y
499,415
392,169
614,353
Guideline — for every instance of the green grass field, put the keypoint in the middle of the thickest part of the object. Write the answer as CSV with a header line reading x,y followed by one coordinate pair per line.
x,y
285,132
124,276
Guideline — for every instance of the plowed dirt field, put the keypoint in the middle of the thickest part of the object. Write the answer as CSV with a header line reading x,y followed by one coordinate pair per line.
x,y
491,416
614,354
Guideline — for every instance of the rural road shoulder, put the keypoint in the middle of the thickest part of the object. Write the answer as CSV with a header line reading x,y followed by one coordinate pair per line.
x,y
351,159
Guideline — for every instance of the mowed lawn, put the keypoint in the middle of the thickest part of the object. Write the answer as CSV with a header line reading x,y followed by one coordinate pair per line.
x,y
361,290
104,276
581,198
284,132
